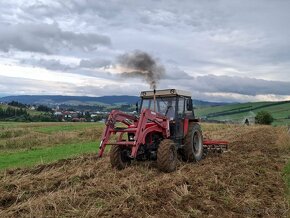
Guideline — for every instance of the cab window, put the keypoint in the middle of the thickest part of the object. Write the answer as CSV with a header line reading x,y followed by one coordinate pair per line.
x,y
165,106
181,105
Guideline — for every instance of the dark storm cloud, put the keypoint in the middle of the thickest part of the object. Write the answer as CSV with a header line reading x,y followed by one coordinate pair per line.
x,y
47,38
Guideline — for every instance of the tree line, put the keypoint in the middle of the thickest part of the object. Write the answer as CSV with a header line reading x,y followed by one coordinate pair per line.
x,y
10,112
17,111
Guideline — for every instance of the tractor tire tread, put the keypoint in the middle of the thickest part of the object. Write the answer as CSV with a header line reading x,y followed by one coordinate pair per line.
x,y
187,149
164,152
115,158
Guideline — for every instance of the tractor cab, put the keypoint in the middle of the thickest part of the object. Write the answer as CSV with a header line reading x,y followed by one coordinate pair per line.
x,y
170,102
175,104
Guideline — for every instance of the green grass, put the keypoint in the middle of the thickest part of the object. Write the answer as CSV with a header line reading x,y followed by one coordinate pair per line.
x,y
46,154
280,112
29,144
66,127
19,136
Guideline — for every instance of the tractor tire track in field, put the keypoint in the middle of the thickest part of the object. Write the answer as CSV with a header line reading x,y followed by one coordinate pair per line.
x,y
246,181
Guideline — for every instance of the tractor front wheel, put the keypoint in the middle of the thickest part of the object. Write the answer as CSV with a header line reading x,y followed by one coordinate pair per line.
x,y
166,156
119,157
193,146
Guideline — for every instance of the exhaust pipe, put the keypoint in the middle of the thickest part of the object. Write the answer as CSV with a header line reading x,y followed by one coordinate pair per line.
x,y
154,99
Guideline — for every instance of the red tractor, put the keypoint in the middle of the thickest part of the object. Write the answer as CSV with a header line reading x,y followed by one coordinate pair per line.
x,y
164,127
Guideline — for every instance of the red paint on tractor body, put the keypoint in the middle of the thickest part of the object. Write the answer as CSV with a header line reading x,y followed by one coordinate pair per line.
x,y
147,123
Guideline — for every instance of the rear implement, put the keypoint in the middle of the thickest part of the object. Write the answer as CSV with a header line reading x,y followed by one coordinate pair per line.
x,y
215,146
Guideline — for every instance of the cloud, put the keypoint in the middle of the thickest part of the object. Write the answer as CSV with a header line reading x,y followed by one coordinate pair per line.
x,y
94,63
233,97
50,64
95,68
47,38
58,65
222,49
214,87
229,84
177,74
240,85
14,86
37,86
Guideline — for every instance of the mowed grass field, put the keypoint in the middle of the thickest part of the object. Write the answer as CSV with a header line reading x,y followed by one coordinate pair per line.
x,y
59,175
28,144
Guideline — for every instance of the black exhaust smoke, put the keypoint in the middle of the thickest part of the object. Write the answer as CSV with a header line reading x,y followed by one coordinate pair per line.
x,y
141,64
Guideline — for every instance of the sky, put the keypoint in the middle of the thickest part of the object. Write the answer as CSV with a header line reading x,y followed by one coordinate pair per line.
x,y
220,50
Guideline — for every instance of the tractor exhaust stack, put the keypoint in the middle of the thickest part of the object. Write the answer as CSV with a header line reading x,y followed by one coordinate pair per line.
x,y
154,99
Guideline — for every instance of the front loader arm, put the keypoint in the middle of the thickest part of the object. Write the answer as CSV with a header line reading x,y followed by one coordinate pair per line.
x,y
114,117
162,126
135,125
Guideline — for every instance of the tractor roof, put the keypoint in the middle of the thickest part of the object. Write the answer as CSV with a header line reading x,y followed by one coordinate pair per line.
x,y
165,92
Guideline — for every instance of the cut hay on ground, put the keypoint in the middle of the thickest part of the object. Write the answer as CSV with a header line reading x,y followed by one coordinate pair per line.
x,y
244,182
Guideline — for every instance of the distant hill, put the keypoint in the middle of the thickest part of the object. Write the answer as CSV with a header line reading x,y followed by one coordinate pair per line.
x,y
200,103
238,112
85,100
71,100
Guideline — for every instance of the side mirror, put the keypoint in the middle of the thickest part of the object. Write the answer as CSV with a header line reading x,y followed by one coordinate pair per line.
x,y
189,105
137,107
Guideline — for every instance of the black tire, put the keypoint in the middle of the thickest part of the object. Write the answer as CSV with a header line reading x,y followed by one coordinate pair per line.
x,y
193,145
166,156
119,157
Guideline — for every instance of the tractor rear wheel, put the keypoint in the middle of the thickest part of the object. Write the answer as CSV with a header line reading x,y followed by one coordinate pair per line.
x,y
119,157
166,156
193,145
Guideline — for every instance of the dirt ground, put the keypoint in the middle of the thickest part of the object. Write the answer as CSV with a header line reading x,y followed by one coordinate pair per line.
x,y
246,181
